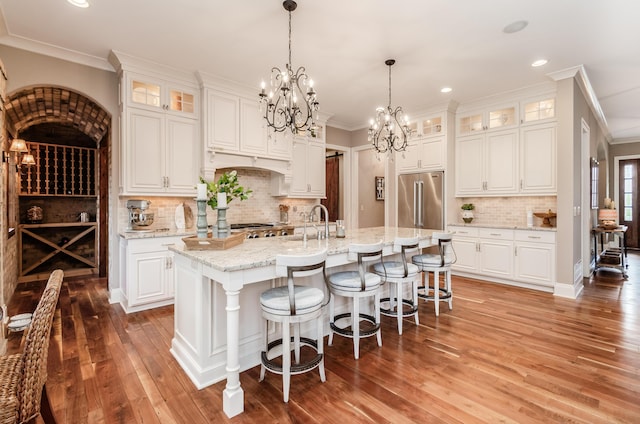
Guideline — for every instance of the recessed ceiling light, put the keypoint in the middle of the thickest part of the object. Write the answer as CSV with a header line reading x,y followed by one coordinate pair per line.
x,y
79,3
539,62
445,90
515,27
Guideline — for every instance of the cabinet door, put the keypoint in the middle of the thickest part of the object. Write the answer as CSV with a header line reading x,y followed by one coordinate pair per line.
x,y
278,144
148,279
408,161
145,149
299,184
144,92
496,258
181,101
469,165
316,168
223,122
534,263
252,136
470,123
466,254
182,147
432,154
538,159
501,163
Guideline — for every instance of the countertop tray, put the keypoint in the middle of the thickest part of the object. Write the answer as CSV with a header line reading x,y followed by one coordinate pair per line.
x,y
211,243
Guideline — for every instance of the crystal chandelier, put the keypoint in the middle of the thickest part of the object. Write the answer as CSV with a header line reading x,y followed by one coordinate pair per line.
x,y
389,130
291,101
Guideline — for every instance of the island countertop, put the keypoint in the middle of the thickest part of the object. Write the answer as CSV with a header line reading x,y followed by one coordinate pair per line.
x,y
218,326
260,252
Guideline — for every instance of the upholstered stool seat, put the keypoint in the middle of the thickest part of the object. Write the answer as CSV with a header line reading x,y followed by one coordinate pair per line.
x,y
437,263
399,273
356,285
291,305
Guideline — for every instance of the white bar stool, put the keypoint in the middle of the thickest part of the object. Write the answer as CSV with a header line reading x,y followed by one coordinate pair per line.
x,y
291,305
400,273
357,285
437,263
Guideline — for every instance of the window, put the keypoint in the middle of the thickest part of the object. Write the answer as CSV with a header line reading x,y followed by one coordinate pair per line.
x,y
627,198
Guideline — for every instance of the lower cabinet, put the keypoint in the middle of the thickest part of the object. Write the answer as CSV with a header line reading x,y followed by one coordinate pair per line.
x,y
517,257
147,279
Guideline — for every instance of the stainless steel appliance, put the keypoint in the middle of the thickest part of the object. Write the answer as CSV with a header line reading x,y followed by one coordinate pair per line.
x,y
139,216
257,230
421,200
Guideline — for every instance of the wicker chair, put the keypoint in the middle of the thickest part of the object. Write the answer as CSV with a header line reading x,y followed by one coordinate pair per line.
x,y
23,375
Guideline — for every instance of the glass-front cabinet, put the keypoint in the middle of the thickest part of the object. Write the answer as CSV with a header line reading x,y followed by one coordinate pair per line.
x,y
537,110
496,118
152,94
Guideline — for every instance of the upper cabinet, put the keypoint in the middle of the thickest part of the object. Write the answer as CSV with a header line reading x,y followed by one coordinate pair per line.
x,y
235,125
154,94
160,129
507,150
426,151
493,118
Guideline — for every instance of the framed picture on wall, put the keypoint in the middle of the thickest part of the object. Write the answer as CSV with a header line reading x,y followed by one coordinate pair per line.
x,y
379,188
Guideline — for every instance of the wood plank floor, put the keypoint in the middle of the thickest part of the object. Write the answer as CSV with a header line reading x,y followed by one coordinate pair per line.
x,y
503,354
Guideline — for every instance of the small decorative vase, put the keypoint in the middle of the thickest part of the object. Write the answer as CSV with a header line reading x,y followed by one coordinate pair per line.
x,y
467,216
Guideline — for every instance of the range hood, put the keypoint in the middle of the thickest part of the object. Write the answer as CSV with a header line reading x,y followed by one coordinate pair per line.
x,y
218,160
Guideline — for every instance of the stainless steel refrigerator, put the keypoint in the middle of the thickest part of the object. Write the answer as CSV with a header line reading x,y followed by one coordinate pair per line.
x,y
421,200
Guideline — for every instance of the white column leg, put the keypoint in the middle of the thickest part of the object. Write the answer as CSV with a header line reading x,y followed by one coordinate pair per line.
x,y
436,292
355,326
399,308
296,342
286,359
233,395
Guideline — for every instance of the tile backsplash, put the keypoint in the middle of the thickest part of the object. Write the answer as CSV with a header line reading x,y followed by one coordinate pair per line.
x,y
506,210
260,207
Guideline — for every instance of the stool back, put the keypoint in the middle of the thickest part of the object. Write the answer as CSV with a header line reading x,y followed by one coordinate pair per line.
x,y
364,253
291,266
445,248
404,245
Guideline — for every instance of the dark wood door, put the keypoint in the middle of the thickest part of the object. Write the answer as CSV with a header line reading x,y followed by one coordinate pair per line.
x,y
629,207
332,187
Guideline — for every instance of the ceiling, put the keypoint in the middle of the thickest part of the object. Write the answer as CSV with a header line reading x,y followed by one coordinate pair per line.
x,y
343,45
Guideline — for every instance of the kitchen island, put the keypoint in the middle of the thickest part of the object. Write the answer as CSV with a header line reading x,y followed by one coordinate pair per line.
x,y
219,330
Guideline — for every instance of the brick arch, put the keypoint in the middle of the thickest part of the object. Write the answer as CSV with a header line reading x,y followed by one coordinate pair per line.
x,y
48,104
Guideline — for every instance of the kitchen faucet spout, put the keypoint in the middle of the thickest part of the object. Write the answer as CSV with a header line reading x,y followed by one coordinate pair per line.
x,y
326,218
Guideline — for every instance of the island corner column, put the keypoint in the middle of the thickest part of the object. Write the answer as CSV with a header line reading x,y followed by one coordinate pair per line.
x,y
233,395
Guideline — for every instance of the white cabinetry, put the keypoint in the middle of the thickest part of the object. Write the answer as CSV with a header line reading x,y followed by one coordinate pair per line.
x,y
160,136
535,256
235,125
148,277
487,119
487,164
427,151
519,257
499,153
308,168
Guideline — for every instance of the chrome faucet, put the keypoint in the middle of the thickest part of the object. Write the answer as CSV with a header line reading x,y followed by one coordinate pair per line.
x,y
304,219
326,219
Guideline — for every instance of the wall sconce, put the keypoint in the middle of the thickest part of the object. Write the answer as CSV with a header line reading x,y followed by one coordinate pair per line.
x,y
28,160
17,147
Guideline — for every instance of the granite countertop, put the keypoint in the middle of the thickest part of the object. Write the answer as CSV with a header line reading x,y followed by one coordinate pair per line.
x,y
254,253
157,232
504,227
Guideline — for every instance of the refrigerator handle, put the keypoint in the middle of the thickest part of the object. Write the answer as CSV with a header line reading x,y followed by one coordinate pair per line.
x,y
420,203
415,203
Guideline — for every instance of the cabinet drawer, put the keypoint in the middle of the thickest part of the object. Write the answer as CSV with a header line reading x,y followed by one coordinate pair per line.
x,y
152,244
495,233
464,231
536,236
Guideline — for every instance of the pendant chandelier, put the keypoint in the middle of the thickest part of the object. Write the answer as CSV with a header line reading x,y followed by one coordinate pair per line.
x,y
390,130
291,101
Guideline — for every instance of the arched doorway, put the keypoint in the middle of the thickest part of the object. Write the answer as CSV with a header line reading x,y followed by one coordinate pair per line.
x,y
58,116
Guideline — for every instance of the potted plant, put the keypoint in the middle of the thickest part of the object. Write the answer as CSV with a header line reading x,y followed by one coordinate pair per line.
x,y
467,212
228,184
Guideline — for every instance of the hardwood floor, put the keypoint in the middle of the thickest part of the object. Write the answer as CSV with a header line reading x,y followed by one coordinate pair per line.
x,y
502,355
